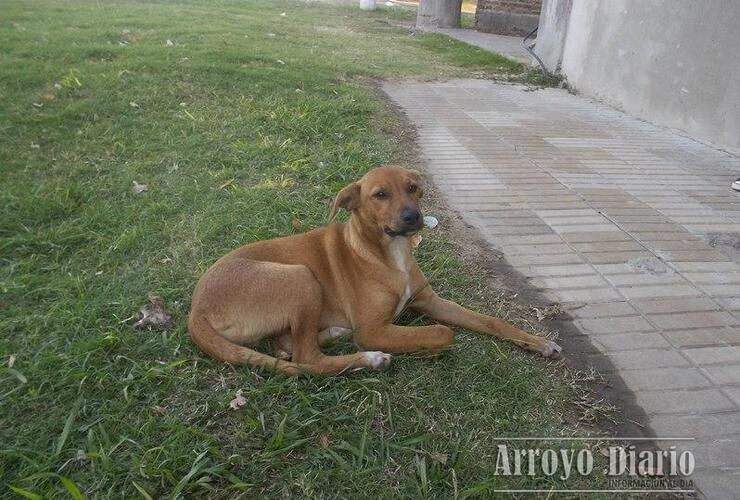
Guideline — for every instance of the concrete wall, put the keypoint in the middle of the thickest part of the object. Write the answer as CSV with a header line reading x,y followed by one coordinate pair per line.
x,y
671,62
507,17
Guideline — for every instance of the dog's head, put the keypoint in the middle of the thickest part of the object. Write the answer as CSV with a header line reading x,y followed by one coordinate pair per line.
x,y
386,198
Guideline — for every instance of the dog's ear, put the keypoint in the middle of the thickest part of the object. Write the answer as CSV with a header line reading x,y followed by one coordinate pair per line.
x,y
348,199
418,179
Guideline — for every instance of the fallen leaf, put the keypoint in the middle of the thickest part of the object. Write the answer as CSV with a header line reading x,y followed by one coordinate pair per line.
x,y
81,455
160,410
279,61
153,316
35,146
38,104
297,224
226,184
550,312
415,241
139,188
169,43
324,441
238,401
133,104
440,458
11,360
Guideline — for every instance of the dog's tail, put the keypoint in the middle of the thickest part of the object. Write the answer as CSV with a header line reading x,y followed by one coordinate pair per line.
x,y
208,339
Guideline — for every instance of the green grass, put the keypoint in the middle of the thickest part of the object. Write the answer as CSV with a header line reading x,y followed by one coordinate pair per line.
x,y
234,146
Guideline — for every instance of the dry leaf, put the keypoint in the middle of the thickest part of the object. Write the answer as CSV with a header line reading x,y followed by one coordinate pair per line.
x,y
160,410
169,43
226,184
153,316
133,104
238,401
11,361
297,224
139,188
280,61
440,458
324,441
415,241
38,104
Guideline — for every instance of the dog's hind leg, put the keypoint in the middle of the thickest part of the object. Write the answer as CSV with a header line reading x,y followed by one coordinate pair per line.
x,y
304,321
282,344
241,301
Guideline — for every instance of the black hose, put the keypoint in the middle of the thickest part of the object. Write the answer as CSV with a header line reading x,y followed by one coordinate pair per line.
x,y
529,49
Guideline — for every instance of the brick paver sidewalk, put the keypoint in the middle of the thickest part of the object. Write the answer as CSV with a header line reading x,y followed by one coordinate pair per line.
x,y
620,221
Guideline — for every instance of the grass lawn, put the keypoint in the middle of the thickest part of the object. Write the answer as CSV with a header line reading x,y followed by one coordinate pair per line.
x,y
243,127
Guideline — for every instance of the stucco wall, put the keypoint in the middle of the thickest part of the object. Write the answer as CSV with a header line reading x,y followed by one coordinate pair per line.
x,y
507,17
674,63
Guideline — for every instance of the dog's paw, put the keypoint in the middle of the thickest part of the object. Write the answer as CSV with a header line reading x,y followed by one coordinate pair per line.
x,y
377,360
550,349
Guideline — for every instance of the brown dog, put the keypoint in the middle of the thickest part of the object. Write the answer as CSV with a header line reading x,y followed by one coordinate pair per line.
x,y
303,290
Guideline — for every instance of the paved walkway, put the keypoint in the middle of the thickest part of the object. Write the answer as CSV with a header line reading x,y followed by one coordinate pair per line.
x,y
620,221
508,46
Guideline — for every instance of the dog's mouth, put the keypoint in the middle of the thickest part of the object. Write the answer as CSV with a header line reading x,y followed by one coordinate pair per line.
x,y
406,231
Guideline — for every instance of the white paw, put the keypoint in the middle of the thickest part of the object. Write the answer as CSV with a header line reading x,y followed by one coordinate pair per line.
x,y
377,360
550,349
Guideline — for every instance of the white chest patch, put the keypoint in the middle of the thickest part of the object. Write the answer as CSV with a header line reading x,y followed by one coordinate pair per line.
x,y
399,249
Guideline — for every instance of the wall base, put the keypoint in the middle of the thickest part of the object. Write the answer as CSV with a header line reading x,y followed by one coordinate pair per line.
x,y
505,23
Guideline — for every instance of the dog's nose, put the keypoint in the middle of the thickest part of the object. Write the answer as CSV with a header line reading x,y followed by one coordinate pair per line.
x,y
410,216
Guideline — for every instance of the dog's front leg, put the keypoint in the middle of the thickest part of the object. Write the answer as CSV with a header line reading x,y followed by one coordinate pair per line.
x,y
395,339
445,311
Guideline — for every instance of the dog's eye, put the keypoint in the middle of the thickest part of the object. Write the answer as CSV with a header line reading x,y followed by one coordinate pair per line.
x,y
412,188
381,195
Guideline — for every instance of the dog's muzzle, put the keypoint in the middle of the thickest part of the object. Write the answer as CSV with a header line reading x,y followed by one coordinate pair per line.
x,y
411,222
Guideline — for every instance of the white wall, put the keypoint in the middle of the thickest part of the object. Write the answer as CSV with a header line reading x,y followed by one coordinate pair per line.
x,y
672,62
